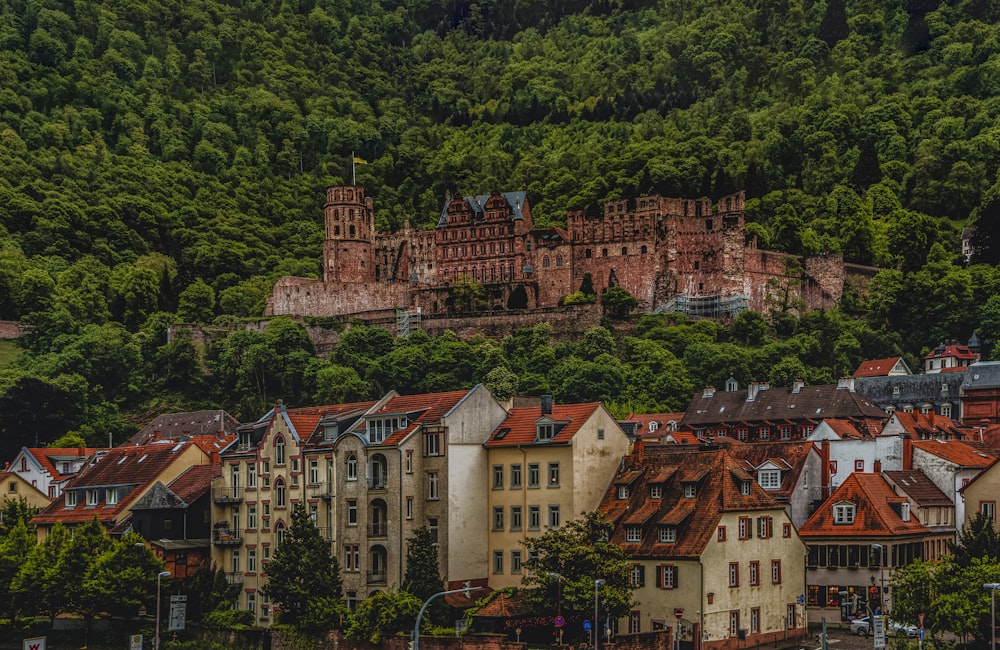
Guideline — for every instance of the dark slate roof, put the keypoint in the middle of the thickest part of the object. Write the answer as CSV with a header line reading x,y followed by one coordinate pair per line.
x,y
172,426
810,402
159,497
912,388
915,484
478,205
982,376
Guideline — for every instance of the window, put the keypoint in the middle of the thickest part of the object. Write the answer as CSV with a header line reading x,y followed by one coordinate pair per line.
x,y
754,573
553,517
721,534
352,557
252,517
745,488
769,479
734,574
498,477
785,432
755,620
252,560
352,467
111,498
689,490
656,491
432,443
534,517
745,530
279,451
432,486
534,475
600,434
668,534
843,513
515,518
546,431
734,623
515,562
352,512
408,463
251,474
497,517
234,564
313,471
553,474
776,572
409,507
668,577
786,529
833,467
515,476
92,497
764,525
764,433
946,410
634,622
633,534
432,525
859,466
621,492
497,561
988,508
904,511
637,576
279,493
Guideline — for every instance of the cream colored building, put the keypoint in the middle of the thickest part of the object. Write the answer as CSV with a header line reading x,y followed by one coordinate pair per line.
x,y
15,487
546,465
716,558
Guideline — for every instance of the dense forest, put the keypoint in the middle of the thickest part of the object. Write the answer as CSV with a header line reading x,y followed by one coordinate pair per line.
x,y
166,163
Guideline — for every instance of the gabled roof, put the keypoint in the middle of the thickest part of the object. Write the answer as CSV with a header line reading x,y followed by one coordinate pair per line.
x,y
7,476
129,468
810,402
847,429
788,456
654,425
899,389
519,427
951,350
182,491
174,426
956,452
874,514
881,367
915,484
982,375
477,204
717,491
420,409
49,458
929,425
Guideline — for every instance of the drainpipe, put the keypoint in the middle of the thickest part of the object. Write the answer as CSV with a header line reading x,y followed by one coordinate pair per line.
x,y
400,514
701,601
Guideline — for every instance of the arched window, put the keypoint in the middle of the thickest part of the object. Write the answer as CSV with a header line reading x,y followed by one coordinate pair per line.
x,y
377,563
545,262
279,493
559,260
279,451
624,250
279,532
352,467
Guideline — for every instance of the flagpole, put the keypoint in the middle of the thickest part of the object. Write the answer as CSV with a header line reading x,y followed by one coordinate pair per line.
x,y
353,177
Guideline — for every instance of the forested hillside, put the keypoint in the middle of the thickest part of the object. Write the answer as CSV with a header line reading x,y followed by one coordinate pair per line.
x,y
165,162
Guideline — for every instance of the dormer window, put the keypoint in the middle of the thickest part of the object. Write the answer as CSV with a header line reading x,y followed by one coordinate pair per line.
x,y
745,488
71,498
93,497
622,492
656,491
769,479
244,443
668,534
690,490
904,511
112,497
546,431
843,513
330,431
633,534
381,428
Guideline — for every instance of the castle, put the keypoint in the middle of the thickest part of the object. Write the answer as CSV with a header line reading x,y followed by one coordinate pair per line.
x,y
671,254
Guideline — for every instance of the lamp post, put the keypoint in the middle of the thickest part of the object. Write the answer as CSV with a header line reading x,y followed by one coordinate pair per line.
x,y
559,578
156,636
881,577
993,586
597,635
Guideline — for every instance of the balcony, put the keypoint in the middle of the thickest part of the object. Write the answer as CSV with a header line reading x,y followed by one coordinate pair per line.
x,y
226,495
323,490
234,577
326,532
377,484
378,530
377,578
226,537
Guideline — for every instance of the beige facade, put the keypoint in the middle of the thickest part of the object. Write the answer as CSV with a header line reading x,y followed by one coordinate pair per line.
x,y
981,495
543,484
15,487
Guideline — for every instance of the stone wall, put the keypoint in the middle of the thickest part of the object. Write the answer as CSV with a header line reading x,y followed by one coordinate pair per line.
x,y
305,297
568,323
10,329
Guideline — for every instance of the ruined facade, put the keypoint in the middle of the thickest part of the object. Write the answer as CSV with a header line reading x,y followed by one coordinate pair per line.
x,y
671,254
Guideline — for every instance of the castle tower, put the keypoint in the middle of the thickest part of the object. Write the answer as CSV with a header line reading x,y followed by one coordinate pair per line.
x,y
348,247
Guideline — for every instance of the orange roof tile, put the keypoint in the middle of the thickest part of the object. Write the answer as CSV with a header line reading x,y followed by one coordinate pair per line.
x,y
48,457
194,482
956,452
874,515
518,428
662,423
876,367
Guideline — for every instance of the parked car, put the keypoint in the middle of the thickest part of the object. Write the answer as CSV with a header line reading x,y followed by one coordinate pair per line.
x,y
862,627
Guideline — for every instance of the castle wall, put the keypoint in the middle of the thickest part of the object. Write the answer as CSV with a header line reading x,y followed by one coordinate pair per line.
x,y
304,297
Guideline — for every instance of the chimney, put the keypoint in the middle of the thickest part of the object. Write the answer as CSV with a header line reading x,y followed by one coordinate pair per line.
x,y
846,383
752,391
877,467
708,392
797,386
824,471
907,452
546,405
81,451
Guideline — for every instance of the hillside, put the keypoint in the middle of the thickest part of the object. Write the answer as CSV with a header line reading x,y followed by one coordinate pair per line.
x,y
167,163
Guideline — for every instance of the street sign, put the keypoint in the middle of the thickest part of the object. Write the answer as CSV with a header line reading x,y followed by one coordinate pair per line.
x,y
135,642
560,621
920,633
920,619
878,627
586,626
178,612
679,612
802,599
36,643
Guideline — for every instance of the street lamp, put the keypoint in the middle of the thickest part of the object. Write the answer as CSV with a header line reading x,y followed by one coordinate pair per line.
x,y
156,636
881,577
993,586
558,577
597,636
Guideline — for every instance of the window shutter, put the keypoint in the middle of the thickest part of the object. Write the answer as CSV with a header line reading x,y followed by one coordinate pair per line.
x,y
677,574
642,575
659,576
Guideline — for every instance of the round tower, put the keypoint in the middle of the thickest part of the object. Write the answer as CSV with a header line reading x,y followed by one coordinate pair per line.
x,y
348,247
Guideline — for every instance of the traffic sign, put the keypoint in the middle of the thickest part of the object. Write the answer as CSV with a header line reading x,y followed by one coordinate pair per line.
x,y
560,621
679,612
586,626
920,633
920,618
802,599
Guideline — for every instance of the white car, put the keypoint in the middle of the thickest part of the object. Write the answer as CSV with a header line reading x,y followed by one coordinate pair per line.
x,y
862,627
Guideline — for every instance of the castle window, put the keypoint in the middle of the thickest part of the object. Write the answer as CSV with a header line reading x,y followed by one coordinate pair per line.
x,y
604,252
624,250
696,265
708,224
336,230
352,230
643,250
587,253
559,260
545,262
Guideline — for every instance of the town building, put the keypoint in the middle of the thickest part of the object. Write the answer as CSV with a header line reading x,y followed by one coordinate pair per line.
x,y
938,393
679,254
950,465
929,505
980,495
981,394
951,357
15,489
548,464
889,367
708,544
791,472
848,446
48,468
214,423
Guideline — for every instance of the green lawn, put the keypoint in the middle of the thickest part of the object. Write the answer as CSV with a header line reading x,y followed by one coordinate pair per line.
x,y
8,352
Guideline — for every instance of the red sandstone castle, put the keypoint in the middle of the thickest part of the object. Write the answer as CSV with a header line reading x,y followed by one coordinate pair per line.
x,y
671,254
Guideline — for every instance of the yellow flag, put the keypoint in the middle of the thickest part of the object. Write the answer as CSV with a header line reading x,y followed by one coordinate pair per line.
x,y
360,161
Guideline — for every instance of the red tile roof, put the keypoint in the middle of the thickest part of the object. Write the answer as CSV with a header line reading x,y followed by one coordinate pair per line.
x,y
876,367
956,452
49,457
662,421
195,482
773,404
930,425
957,351
519,427
717,491
130,468
874,516
915,484
854,428
503,605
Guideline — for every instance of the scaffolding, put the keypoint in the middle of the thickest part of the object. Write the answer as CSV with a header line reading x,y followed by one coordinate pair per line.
x,y
714,306
407,321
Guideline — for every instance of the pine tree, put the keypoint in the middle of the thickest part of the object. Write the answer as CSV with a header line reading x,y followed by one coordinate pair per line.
x,y
423,575
304,577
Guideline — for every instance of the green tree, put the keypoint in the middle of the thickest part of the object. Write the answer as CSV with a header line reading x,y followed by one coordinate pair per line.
x,y
423,573
468,295
196,303
977,539
384,614
79,557
567,561
304,577
618,302
39,587
15,547
121,579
